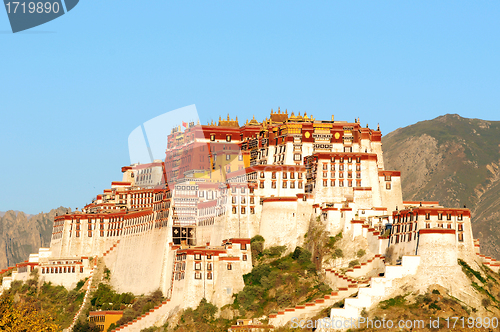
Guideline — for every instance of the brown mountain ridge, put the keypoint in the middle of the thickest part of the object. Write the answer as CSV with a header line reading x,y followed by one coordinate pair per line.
x,y
21,236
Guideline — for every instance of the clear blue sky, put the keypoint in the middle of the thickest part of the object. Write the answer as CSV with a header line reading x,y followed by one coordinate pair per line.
x,y
73,89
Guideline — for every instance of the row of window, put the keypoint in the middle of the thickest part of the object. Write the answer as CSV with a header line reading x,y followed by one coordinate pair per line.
x,y
243,210
341,183
60,269
341,167
284,175
243,200
97,318
212,138
341,175
410,216
408,237
283,185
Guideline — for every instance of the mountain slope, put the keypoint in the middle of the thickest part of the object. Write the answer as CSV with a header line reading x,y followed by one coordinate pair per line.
x,y
21,236
455,161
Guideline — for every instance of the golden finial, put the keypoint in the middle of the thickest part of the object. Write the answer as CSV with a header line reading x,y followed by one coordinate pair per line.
x,y
272,112
236,119
286,110
227,116
279,112
378,127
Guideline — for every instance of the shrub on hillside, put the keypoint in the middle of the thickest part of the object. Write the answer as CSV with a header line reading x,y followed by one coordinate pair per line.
x,y
140,306
353,263
338,253
106,298
284,281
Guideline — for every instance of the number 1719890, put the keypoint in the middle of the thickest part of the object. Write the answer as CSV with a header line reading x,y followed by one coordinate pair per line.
x,y
32,7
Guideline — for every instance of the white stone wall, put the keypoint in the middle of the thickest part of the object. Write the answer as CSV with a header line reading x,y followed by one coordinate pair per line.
x,y
140,262
279,223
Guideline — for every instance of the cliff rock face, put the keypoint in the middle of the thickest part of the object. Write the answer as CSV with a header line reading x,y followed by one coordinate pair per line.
x,y
22,235
455,161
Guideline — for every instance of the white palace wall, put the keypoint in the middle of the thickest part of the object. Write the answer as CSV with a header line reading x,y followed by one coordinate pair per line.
x,y
278,223
140,262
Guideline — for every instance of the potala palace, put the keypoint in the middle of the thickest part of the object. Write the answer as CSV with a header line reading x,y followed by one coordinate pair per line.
x,y
184,225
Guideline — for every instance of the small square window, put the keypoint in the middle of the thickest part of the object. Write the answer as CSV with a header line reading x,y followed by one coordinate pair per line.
x,y
212,137
229,266
228,138
244,257
388,186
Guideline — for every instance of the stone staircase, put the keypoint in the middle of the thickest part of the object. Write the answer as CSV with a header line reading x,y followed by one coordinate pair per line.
x,y
110,249
346,287
90,284
373,266
492,263
310,309
95,277
379,289
153,317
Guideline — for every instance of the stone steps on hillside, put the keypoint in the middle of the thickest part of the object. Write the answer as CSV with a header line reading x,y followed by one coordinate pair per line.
x,y
153,317
380,288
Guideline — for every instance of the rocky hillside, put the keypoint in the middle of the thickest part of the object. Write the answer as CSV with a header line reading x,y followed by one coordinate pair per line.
x,y
21,235
455,161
